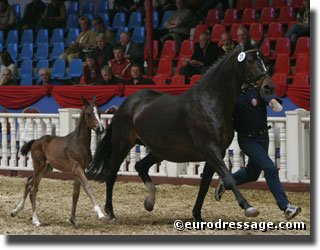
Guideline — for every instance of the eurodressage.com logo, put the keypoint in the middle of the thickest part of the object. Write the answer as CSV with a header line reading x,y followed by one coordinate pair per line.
x,y
240,225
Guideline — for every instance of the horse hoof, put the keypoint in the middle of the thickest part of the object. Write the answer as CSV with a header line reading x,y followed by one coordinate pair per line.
x,y
148,205
37,223
75,224
13,214
112,220
251,212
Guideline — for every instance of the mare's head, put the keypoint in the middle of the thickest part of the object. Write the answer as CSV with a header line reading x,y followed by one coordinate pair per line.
x,y
91,115
254,71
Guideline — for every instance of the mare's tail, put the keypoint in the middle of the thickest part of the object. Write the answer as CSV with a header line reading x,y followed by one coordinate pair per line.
x,y
99,166
26,147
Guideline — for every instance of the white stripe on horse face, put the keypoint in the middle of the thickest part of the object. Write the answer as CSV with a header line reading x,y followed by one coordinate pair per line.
x,y
264,66
95,111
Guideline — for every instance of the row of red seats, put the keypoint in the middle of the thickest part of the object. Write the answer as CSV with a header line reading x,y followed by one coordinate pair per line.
x,y
298,79
282,65
250,16
176,80
260,4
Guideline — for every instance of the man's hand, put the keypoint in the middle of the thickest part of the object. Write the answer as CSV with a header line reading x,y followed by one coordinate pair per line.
x,y
275,105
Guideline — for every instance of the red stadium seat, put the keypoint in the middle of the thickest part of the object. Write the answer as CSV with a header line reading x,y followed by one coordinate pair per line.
x,y
200,28
243,4
274,31
216,33
265,47
165,67
267,16
302,64
169,49
297,4
279,79
301,79
159,80
181,63
286,15
195,79
230,17
260,4
186,49
256,31
302,47
278,4
282,64
178,80
233,31
155,49
212,17
282,47
249,17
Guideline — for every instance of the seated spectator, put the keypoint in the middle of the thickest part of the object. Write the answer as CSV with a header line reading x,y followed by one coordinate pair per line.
x,y
85,41
45,78
120,66
205,53
32,13
6,78
91,73
103,52
7,17
179,24
137,78
227,43
100,28
302,27
108,78
127,6
134,52
54,16
162,6
243,36
6,62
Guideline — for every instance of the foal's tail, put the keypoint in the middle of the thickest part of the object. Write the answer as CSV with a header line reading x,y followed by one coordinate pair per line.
x,y
26,147
99,166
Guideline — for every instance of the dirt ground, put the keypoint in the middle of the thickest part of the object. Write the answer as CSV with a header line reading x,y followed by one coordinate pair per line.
x,y
172,203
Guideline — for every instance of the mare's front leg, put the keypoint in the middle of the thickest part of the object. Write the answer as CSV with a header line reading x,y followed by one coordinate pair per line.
x,y
75,198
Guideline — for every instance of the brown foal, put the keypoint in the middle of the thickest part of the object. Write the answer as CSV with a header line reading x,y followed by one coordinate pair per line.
x,y
70,153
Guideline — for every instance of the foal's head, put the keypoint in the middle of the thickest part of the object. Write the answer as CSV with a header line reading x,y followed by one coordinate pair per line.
x,y
91,116
254,70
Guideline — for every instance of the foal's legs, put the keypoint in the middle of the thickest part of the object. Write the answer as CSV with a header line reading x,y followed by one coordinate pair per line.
x,y
143,167
24,197
81,179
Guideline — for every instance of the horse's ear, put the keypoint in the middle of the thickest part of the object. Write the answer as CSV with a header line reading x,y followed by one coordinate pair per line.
x,y
94,100
84,101
259,43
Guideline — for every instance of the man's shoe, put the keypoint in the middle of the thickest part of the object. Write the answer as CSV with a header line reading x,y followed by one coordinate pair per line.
x,y
291,211
219,190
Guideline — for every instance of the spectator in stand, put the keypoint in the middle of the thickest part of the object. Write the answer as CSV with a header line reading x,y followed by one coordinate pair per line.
x,y
162,6
226,42
179,24
84,43
302,27
205,53
6,78
100,28
120,66
243,36
32,13
103,53
45,78
127,6
7,17
6,62
54,16
134,52
108,78
91,73
137,78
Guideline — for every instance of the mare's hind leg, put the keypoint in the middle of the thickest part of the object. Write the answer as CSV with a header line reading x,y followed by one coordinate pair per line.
x,y
20,206
204,186
143,167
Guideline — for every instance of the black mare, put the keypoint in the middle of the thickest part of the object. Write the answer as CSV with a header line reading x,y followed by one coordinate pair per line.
x,y
195,126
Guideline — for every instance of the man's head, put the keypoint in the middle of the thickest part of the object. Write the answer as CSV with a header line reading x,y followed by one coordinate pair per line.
x,y
125,38
6,75
204,40
98,24
84,23
118,53
226,39
106,73
181,4
101,41
90,61
135,71
243,35
44,75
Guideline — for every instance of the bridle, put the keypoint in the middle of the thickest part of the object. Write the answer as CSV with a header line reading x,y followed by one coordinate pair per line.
x,y
262,75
